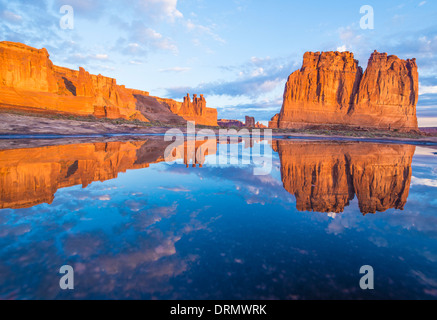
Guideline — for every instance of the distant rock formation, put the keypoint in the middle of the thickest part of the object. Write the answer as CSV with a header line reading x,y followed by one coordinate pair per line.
x,y
250,123
230,123
30,81
259,125
325,177
194,110
331,89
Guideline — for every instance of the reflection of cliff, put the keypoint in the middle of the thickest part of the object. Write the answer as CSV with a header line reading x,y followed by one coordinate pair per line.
x,y
325,177
29,177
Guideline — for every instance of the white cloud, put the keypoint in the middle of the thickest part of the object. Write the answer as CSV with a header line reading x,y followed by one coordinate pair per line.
x,y
427,89
138,63
101,57
82,57
149,33
162,9
427,122
422,3
191,26
175,69
258,61
424,182
11,17
142,39
258,72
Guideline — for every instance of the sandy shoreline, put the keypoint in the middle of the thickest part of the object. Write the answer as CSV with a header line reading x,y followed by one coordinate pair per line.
x,y
21,130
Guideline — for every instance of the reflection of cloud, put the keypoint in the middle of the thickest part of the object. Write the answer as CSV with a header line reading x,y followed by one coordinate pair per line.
x,y
175,189
141,250
379,242
342,222
14,231
423,182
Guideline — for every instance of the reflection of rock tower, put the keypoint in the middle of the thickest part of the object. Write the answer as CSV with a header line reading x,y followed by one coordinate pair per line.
x,y
325,177
196,151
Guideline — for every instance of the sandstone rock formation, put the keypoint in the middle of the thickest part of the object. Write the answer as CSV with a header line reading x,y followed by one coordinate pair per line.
x,y
158,110
194,110
225,123
30,81
250,122
259,125
331,89
325,177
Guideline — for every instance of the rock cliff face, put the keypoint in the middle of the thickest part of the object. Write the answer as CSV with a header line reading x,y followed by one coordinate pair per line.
x,y
325,177
193,110
331,89
250,122
30,81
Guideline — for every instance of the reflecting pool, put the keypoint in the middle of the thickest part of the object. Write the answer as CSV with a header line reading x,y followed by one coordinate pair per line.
x,y
135,227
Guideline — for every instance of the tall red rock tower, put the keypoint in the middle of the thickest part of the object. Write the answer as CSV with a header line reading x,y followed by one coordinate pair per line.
x,y
331,89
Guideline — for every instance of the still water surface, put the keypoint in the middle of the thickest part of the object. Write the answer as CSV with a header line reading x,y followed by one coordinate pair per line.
x,y
135,227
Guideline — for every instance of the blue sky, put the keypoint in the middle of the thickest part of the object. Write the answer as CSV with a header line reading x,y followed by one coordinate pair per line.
x,y
238,53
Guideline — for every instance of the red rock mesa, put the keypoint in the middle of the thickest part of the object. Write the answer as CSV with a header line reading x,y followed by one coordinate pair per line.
x,y
331,89
30,81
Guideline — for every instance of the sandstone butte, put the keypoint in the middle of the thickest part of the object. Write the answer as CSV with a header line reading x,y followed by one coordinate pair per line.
x,y
30,81
331,89
325,177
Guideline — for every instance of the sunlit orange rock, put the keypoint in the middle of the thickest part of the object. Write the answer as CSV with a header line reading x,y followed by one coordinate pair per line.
x,y
259,125
30,81
194,110
331,89
325,177
388,93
